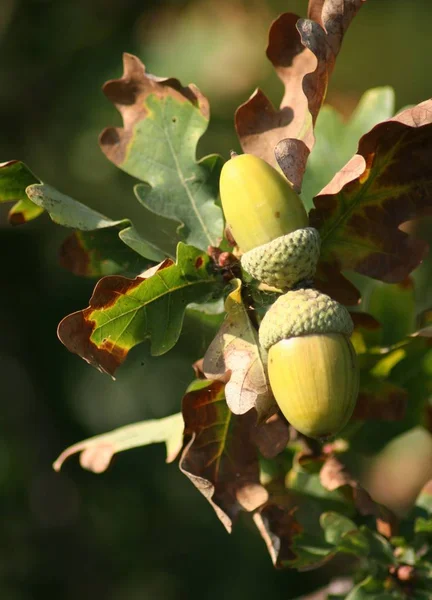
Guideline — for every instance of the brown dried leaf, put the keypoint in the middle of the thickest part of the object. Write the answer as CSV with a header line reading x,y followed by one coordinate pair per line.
x,y
278,527
221,457
236,349
272,436
334,475
303,53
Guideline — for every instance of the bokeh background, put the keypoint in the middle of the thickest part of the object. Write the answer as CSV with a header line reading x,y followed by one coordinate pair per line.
x,y
140,531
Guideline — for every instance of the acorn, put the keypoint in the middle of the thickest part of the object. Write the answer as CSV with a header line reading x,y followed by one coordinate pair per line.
x,y
312,364
269,222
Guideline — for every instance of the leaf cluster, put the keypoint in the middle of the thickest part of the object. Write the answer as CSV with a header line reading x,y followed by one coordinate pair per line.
x,y
366,184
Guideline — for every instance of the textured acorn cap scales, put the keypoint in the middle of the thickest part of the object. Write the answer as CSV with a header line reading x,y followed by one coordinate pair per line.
x,y
303,312
286,260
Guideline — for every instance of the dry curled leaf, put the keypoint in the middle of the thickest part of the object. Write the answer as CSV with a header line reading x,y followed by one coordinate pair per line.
x,y
236,349
221,457
303,53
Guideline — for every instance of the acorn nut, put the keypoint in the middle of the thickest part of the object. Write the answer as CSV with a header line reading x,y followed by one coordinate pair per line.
x,y
312,364
269,222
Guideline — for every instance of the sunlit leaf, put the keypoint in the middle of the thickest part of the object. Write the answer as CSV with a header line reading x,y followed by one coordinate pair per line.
x,y
163,122
393,306
124,312
409,368
336,141
303,53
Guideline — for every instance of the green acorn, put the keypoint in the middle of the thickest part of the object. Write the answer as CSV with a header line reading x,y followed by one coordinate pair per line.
x,y
269,222
312,365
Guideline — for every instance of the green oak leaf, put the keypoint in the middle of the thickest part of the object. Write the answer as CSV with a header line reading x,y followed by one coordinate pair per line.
x,y
336,141
404,372
163,122
96,452
393,306
96,247
15,177
371,589
422,525
344,534
359,213
124,312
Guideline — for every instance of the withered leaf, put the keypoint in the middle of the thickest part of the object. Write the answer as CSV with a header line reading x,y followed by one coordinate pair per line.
x,y
236,349
272,436
303,53
387,183
221,457
335,475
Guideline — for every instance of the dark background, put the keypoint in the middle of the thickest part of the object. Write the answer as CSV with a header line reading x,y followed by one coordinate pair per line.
x,y
140,531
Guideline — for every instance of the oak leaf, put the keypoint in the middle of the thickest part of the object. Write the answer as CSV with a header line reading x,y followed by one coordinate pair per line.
x,y
303,53
96,452
221,457
162,123
359,213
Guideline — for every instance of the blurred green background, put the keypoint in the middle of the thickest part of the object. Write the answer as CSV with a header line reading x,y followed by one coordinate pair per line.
x,y
140,531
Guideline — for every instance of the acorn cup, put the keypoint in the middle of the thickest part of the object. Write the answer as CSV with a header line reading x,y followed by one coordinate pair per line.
x,y
312,365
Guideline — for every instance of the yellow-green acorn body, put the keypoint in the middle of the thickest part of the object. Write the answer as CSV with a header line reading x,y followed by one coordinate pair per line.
x,y
312,364
258,202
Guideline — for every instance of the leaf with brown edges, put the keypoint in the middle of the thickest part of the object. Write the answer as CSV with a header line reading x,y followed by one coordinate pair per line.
x,y
124,312
162,123
221,457
386,184
303,53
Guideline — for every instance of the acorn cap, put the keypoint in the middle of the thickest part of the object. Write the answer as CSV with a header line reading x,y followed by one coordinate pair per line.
x,y
303,312
286,260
